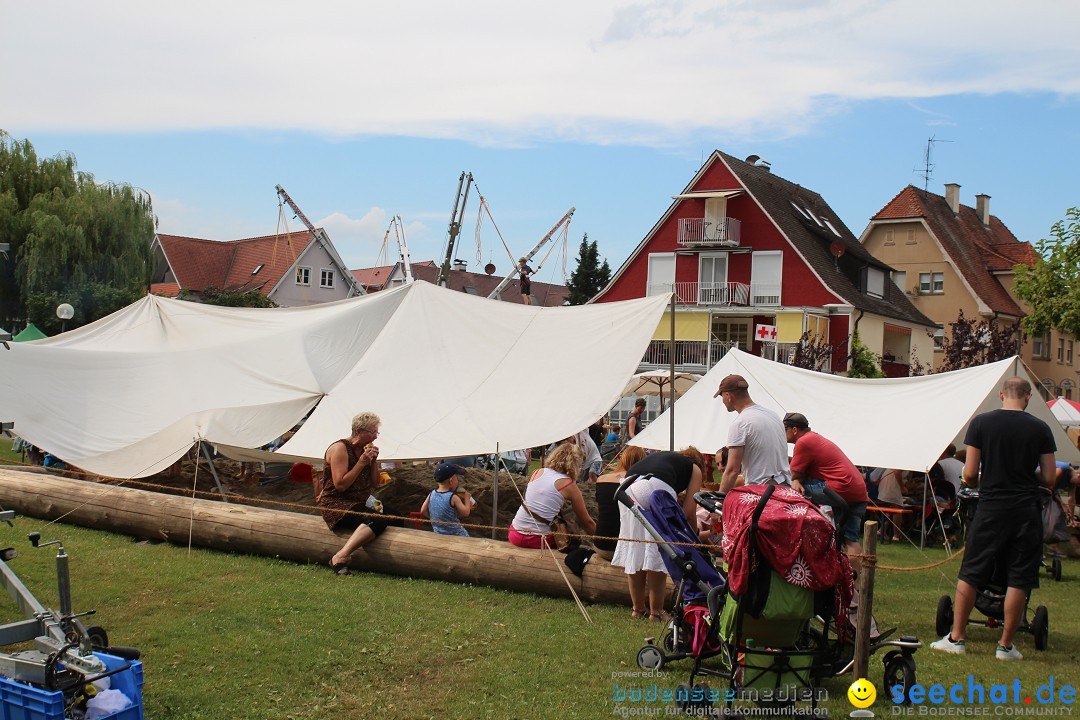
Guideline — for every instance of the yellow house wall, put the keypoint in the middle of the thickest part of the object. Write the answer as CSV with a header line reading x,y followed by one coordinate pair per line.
x,y
688,326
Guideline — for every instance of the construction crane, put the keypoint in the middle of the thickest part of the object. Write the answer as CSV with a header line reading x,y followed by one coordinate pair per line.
x,y
398,226
510,275
455,225
320,235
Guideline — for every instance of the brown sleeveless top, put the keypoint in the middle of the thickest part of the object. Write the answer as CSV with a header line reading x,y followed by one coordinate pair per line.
x,y
335,503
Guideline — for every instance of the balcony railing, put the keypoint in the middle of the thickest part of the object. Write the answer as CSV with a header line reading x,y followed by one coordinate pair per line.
x,y
765,294
690,355
695,232
692,293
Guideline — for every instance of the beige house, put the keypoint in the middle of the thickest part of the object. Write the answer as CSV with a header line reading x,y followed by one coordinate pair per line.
x,y
950,257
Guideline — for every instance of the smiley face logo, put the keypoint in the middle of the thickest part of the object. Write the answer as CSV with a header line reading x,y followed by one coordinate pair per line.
x,y
862,693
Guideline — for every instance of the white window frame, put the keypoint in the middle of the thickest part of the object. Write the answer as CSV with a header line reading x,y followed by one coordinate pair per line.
x,y
875,282
758,284
931,283
654,284
324,275
939,338
1040,346
303,275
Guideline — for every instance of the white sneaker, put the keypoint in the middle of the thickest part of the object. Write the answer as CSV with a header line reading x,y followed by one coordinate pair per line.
x,y
946,644
1010,654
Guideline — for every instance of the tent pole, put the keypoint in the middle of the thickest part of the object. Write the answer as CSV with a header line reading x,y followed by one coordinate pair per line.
x,y
213,470
495,493
922,522
671,377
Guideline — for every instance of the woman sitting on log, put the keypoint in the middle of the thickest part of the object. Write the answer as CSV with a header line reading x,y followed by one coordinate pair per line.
x,y
549,489
343,492
607,507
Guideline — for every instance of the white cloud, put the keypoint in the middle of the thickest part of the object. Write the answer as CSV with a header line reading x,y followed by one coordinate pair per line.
x,y
510,73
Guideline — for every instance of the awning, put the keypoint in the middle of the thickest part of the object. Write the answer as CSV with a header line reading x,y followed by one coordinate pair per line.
x,y
709,194
897,329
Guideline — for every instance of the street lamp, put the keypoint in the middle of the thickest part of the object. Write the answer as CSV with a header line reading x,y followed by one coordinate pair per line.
x,y
65,312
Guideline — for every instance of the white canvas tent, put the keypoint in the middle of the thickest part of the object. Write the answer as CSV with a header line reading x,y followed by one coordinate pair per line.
x,y
450,374
900,423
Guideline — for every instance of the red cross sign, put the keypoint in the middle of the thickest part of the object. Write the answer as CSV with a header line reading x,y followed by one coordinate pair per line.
x,y
765,333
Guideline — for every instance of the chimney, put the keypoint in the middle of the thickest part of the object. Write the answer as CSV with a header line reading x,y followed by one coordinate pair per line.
x,y
982,208
952,196
460,265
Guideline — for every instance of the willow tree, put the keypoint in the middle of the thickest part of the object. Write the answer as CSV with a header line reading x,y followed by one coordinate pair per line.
x,y
71,239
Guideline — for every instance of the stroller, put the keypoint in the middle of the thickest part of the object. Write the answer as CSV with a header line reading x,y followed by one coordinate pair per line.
x,y
991,599
773,642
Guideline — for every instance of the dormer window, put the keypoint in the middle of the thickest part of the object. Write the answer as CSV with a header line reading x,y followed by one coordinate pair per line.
x,y
799,210
830,226
258,267
875,282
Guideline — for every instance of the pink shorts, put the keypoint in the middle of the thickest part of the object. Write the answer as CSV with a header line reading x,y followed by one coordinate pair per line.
x,y
529,541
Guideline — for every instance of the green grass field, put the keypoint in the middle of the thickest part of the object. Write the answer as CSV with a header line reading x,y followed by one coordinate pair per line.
x,y
232,636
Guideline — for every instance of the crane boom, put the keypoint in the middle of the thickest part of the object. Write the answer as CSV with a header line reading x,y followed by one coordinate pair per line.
x,y
455,225
510,275
319,234
403,249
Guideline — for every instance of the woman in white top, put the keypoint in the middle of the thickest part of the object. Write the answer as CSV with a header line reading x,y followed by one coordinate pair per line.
x,y
549,489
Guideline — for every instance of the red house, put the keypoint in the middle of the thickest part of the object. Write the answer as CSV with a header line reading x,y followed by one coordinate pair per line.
x,y
746,252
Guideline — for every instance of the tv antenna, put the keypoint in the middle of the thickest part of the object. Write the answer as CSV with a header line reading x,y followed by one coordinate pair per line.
x,y
928,166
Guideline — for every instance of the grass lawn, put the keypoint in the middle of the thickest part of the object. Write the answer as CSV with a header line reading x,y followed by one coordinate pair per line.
x,y
232,636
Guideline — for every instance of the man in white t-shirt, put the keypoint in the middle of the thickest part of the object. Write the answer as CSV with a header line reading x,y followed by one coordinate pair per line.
x,y
953,468
757,443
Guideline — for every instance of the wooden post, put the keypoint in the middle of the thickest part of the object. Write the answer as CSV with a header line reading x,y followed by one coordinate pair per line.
x,y
865,587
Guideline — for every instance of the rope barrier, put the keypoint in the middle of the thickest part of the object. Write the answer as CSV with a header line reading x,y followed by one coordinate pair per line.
x,y
867,559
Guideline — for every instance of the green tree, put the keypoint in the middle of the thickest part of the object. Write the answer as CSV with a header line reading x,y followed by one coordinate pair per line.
x,y
229,298
1052,287
864,363
72,240
590,276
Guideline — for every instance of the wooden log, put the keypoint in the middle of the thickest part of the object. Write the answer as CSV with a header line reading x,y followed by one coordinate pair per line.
x,y
304,538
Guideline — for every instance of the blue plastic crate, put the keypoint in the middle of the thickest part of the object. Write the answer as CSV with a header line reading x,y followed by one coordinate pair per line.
x,y
25,702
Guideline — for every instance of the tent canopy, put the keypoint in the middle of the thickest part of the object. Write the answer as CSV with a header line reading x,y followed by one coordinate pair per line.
x,y
1066,412
901,423
30,332
449,374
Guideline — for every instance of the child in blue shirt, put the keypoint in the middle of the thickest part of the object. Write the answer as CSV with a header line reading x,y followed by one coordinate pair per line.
x,y
444,506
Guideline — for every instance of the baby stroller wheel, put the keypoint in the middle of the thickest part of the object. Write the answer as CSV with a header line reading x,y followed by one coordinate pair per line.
x,y
1040,628
693,701
649,657
1055,569
899,670
944,616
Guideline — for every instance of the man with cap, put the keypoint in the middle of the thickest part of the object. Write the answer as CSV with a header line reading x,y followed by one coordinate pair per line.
x,y
756,442
818,463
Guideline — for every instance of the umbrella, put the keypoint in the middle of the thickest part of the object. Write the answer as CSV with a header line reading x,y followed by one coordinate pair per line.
x,y
658,382
1067,412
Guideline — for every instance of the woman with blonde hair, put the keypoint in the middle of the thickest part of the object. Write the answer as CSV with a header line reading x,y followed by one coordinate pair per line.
x,y
674,473
548,490
607,507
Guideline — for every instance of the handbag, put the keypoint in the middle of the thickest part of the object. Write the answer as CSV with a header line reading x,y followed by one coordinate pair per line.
x,y
1055,527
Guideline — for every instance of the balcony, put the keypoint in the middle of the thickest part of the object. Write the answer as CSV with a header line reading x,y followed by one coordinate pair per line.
x,y
690,355
697,232
693,293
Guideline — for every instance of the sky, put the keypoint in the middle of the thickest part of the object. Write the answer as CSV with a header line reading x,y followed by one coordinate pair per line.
x,y
364,111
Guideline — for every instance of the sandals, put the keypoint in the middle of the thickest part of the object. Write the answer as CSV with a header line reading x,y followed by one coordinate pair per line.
x,y
659,617
638,614
340,568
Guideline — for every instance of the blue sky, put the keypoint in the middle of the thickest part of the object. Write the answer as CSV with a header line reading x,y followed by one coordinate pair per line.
x,y
363,112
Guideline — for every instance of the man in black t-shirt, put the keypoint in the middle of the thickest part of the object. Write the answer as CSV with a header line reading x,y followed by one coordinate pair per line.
x,y
1006,535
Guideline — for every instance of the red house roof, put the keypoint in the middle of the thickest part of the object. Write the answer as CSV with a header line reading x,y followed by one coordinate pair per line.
x,y
545,294
978,251
256,263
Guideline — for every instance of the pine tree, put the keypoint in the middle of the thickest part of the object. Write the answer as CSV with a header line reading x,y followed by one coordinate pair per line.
x,y
590,276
